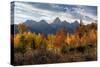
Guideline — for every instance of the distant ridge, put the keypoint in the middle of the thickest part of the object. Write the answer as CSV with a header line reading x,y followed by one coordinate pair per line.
x,y
43,27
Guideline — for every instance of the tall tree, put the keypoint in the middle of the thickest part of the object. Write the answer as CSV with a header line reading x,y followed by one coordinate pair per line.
x,y
22,28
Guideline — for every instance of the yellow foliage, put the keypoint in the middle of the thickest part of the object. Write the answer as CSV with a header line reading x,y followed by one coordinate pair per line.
x,y
28,36
84,39
38,40
17,40
55,41
71,39
92,36
68,40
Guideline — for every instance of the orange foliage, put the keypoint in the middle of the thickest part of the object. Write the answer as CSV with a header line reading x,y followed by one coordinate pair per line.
x,y
17,40
92,36
56,41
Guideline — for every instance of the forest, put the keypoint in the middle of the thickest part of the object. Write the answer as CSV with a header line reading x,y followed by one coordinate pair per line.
x,y
38,48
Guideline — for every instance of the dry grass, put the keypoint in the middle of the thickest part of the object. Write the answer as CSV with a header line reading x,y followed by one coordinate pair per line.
x,y
41,56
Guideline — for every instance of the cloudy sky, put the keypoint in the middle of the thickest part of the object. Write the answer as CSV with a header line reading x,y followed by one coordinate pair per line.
x,y
43,11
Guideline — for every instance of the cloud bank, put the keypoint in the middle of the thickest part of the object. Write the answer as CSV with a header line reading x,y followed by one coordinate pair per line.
x,y
38,11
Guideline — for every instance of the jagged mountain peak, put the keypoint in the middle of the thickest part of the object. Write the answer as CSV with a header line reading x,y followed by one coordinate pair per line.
x,y
76,22
44,27
57,20
43,21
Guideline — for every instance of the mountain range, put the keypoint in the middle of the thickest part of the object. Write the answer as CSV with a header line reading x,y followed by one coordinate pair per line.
x,y
43,27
